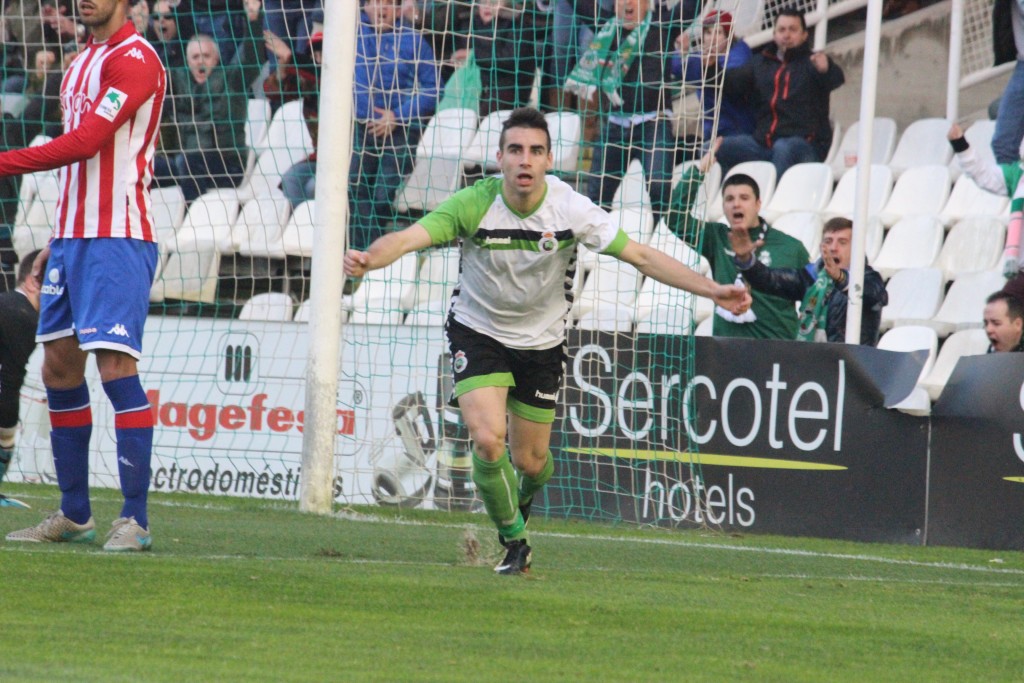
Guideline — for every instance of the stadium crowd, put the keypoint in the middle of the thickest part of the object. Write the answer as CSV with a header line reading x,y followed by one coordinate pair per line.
x,y
618,63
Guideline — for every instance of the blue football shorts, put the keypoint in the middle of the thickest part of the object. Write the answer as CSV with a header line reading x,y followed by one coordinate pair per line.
x,y
97,289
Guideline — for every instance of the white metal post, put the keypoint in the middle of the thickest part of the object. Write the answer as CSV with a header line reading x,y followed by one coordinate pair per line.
x,y
868,92
956,41
329,240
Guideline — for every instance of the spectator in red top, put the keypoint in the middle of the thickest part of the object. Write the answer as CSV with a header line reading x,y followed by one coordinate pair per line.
x,y
789,87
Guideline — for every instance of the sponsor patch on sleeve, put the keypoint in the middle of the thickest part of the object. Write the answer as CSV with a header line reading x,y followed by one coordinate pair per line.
x,y
111,104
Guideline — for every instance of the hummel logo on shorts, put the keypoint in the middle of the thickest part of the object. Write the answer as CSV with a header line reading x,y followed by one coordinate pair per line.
x,y
119,330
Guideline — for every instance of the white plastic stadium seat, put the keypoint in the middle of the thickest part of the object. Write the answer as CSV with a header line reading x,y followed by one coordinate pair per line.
x,y
438,275
666,242
879,189
287,130
168,212
915,295
803,187
747,15
805,226
297,237
386,295
763,173
257,121
611,283
923,142
967,199
447,134
188,276
208,223
269,306
873,239
914,242
913,338
566,130
483,148
956,346
920,190
270,166
607,319
883,143
258,230
964,304
974,244
433,180
632,190
979,137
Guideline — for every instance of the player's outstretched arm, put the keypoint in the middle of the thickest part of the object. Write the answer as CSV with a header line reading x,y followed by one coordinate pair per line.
x,y
671,272
386,250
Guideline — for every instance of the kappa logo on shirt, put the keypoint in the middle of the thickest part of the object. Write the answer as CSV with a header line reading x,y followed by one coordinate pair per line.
x,y
118,330
111,104
136,53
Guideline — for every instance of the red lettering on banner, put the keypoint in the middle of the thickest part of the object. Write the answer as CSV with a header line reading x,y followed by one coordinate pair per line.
x,y
202,420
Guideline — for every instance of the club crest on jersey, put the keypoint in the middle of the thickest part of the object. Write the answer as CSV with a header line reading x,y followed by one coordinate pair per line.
x,y
111,103
548,243
460,361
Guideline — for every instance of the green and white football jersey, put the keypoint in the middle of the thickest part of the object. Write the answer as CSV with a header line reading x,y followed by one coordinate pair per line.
x,y
516,271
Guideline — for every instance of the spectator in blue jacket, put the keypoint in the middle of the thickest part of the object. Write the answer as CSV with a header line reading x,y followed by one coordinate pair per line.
x,y
396,91
822,288
719,51
789,87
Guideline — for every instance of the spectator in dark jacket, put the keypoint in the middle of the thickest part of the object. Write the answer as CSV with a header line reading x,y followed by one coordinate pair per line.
x,y
503,44
821,287
206,112
789,86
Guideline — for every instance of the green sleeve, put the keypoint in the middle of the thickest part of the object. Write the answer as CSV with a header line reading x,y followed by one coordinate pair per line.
x,y
679,219
460,214
617,245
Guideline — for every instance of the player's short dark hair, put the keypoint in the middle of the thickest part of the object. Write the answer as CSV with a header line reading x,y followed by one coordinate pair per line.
x,y
836,224
742,179
525,117
25,267
1014,307
793,12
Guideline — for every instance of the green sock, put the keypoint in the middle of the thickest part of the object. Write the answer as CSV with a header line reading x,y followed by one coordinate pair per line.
x,y
496,484
528,485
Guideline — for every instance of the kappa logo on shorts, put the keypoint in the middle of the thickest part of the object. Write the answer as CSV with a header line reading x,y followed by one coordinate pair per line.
x,y
548,243
118,330
460,361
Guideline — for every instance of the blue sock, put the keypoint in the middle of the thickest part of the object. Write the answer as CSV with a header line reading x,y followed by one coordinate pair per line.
x,y
133,426
71,423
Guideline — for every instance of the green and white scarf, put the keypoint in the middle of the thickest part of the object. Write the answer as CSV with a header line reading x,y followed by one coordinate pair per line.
x,y
601,68
814,309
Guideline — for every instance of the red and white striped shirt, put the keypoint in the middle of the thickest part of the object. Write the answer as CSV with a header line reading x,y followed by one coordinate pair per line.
x,y
111,97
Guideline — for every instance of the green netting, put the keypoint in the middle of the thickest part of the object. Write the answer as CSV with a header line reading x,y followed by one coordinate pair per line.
x,y
234,211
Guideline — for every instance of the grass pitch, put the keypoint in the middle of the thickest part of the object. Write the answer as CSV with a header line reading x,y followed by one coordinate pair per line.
x,y
246,590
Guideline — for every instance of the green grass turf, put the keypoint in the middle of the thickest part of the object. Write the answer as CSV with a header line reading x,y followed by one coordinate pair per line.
x,y
247,590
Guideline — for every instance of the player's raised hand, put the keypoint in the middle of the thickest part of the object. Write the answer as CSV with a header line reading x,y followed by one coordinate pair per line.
x,y
955,132
356,263
733,298
708,160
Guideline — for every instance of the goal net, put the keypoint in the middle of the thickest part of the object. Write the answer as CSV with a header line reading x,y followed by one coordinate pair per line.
x,y
226,342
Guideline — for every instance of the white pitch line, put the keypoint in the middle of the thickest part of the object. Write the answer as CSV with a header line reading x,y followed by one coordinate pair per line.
x,y
350,515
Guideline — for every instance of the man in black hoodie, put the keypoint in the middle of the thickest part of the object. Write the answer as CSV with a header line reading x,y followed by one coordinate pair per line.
x,y
789,86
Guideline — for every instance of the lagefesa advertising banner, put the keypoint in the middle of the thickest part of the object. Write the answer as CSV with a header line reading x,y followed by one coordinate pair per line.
x,y
789,437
